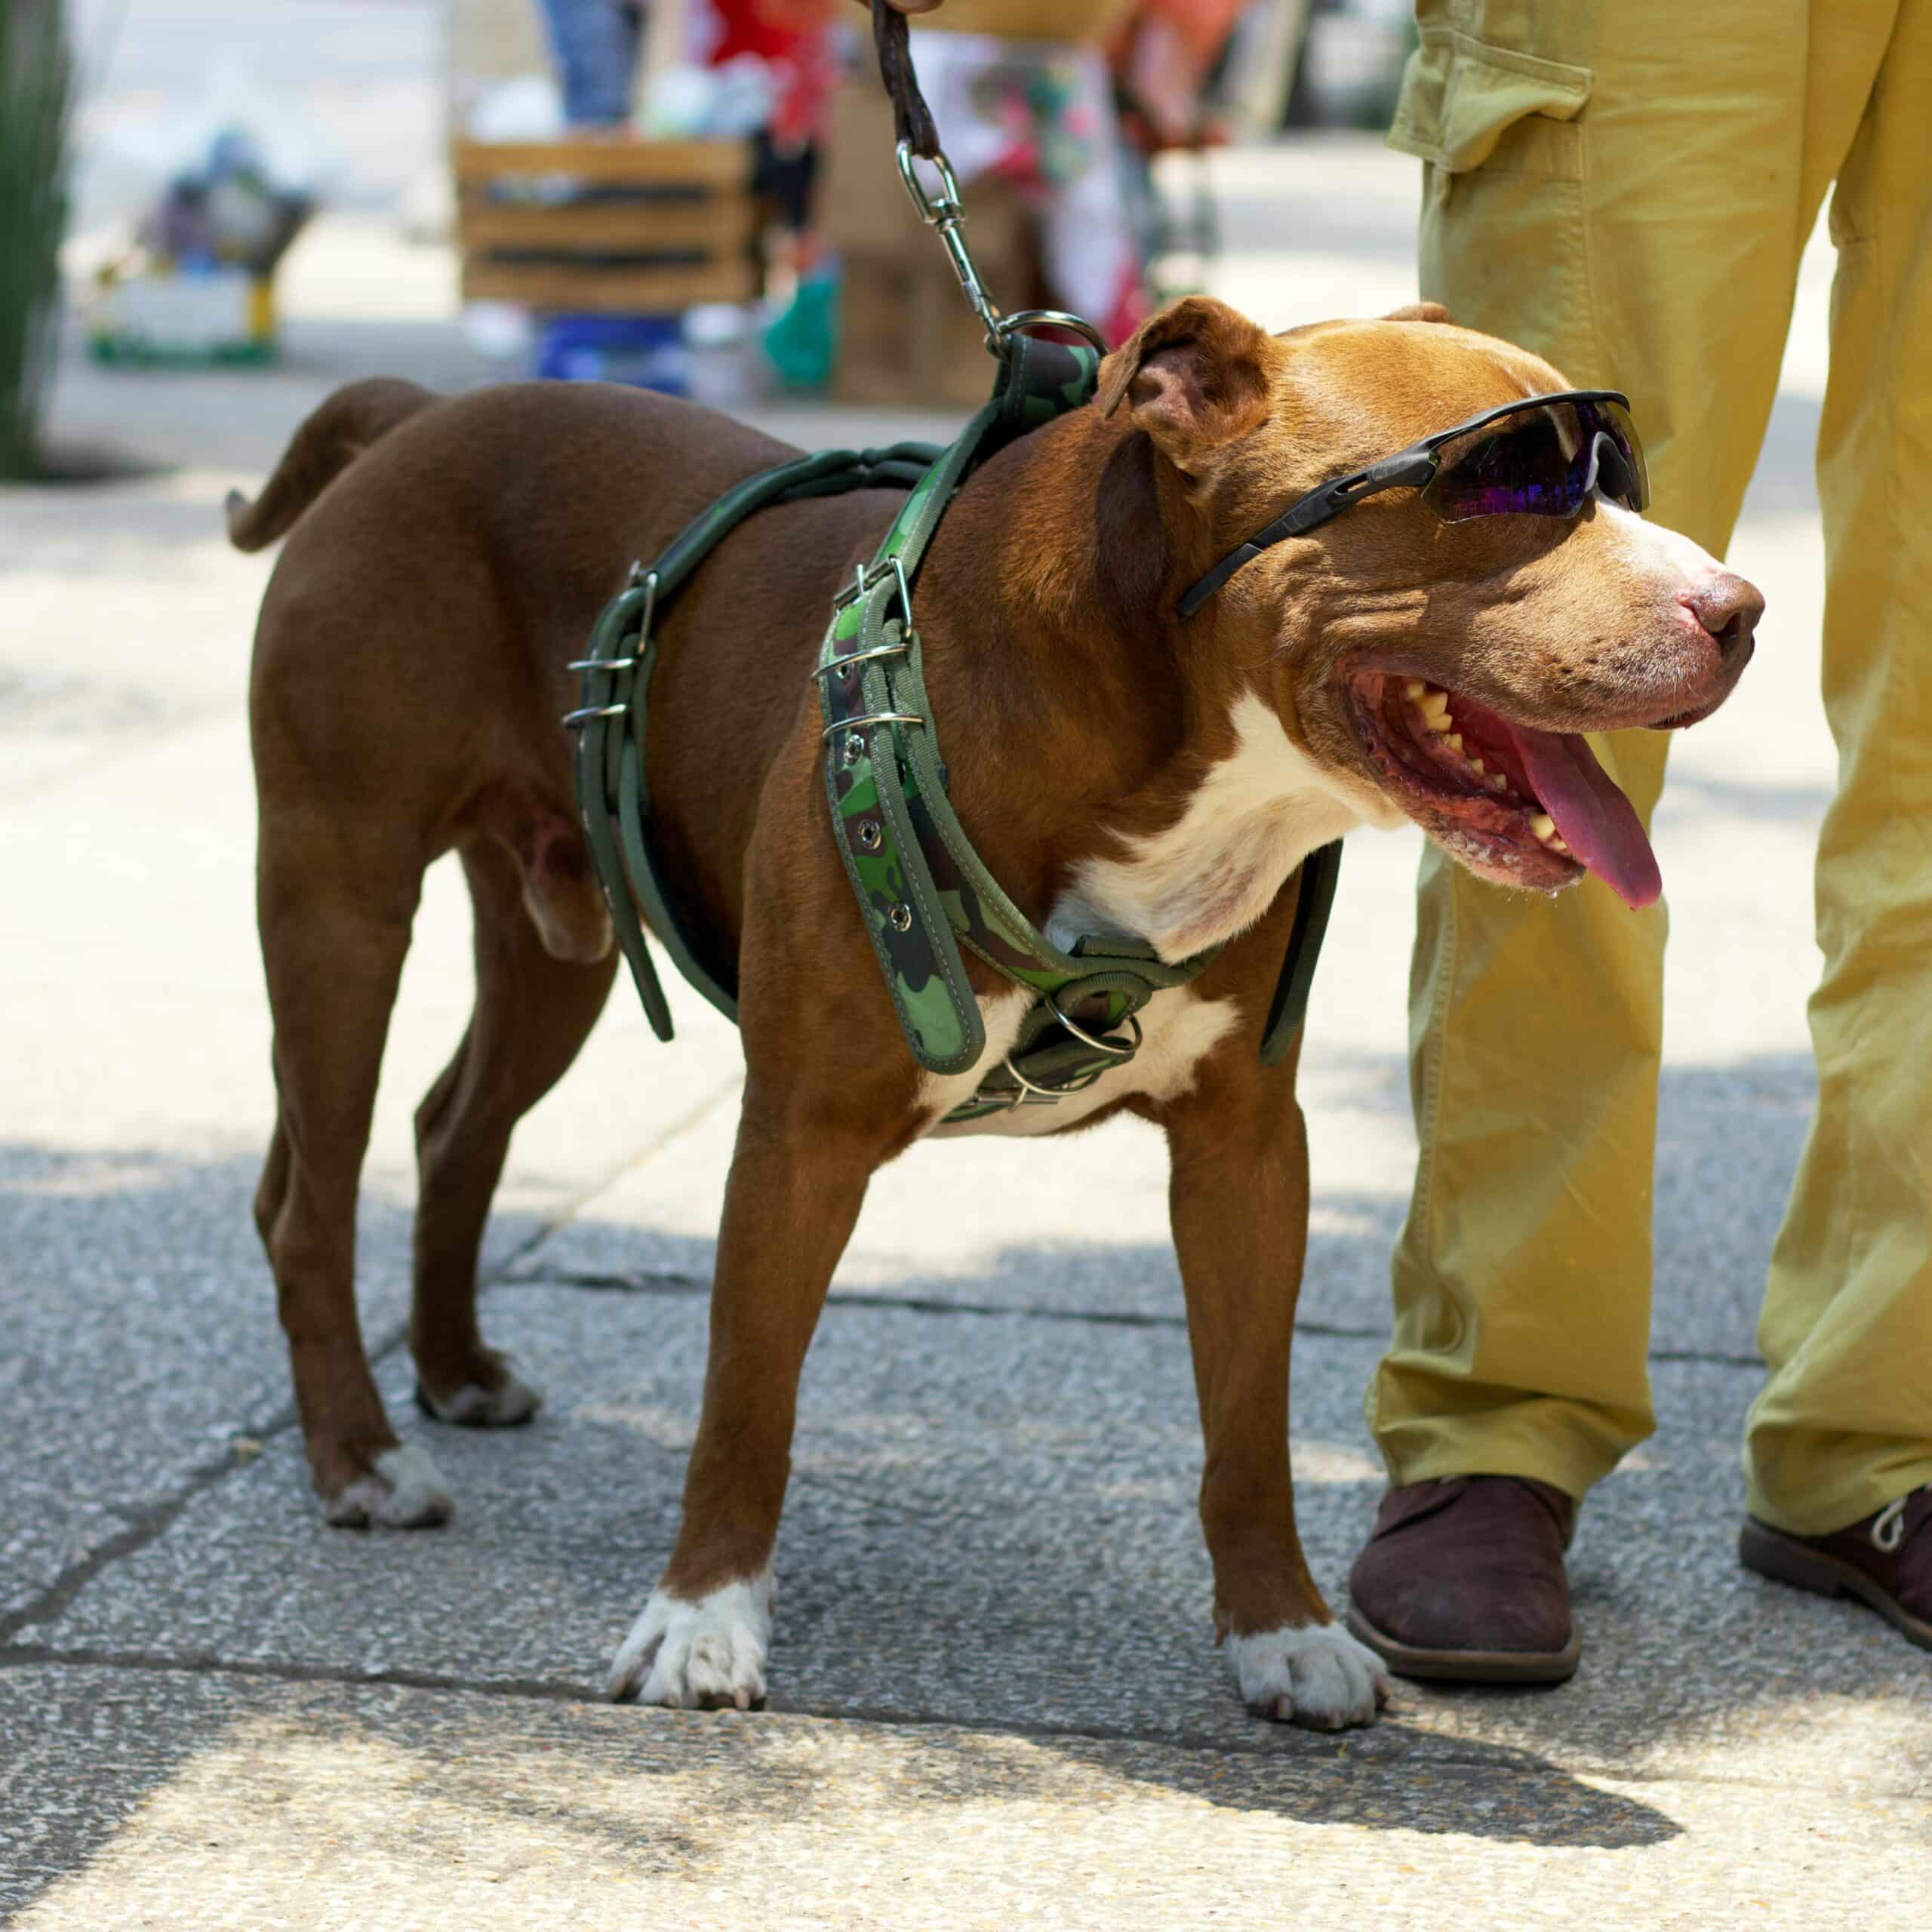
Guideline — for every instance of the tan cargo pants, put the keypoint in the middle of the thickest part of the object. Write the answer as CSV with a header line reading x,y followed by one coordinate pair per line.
x,y
1626,186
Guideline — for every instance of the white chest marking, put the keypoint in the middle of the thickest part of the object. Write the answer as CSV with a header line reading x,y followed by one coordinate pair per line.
x,y
1256,815
1213,873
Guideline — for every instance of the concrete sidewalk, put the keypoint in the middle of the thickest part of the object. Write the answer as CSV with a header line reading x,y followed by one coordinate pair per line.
x,y
995,1699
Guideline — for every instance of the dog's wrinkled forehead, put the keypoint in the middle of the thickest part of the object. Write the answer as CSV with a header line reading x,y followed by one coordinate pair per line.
x,y
1385,383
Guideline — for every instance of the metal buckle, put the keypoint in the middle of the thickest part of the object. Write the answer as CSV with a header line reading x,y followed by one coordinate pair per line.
x,y
640,579
1080,1033
865,580
574,720
870,718
860,656
1032,1094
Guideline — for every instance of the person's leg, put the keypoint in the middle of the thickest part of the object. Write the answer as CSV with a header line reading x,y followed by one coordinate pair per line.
x,y
595,45
1649,243
1635,214
1844,1426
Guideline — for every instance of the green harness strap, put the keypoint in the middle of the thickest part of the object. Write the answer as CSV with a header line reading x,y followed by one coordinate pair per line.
x,y
613,798
922,890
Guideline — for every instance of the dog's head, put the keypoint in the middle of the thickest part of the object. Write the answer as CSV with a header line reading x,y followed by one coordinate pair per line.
x,y
1441,670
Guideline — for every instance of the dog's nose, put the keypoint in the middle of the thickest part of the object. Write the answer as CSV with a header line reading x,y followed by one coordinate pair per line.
x,y
1729,608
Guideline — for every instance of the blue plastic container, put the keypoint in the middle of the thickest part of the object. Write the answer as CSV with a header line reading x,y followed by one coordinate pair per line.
x,y
647,351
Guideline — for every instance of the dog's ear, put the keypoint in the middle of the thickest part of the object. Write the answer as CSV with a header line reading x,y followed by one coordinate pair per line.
x,y
1418,311
1192,376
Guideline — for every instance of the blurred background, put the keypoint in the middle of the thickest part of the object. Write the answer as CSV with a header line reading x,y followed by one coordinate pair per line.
x,y
263,203
697,196
211,215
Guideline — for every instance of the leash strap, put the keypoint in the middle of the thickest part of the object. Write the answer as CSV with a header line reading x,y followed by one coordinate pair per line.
x,y
1314,898
912,119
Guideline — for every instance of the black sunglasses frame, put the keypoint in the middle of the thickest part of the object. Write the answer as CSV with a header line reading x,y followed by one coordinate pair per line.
x,y
1413,468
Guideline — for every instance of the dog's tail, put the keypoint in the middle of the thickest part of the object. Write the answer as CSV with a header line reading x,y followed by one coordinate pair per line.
x,y
331,438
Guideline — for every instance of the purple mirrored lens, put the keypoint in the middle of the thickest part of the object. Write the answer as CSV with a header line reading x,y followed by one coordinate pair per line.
x,y
1541,462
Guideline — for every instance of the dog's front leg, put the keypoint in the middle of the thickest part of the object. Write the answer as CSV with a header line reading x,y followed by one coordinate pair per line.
x,y
1238,1198
795,1191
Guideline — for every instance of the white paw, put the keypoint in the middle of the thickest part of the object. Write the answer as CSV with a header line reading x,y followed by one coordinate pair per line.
x,y
406,1492
472,1407
698,1656
1319,1676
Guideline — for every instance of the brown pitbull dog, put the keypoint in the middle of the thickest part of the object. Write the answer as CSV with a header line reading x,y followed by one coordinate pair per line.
x,y
1118,769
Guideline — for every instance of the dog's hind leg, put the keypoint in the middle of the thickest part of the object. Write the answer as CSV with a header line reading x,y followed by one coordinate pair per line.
x,y
533,1011
1238,1198
335,919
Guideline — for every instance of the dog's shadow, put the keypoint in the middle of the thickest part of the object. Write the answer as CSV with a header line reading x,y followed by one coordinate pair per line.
x,y
990,1545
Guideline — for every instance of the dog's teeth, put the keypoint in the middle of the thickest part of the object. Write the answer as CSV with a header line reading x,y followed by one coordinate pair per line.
x,y
1455,741
1438,720
1544,825
1558,845
1434,703
1497,783
1475,765
1414,687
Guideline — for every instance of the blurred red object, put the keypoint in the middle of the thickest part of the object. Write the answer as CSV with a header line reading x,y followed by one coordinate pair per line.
x,y
1162,60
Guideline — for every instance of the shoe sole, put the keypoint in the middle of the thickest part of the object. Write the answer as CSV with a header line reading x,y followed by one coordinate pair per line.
x,y
1784,1560
1469,1666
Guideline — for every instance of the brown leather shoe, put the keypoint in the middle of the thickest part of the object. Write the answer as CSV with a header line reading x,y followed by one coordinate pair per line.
x,y
1884,1559
1463,1581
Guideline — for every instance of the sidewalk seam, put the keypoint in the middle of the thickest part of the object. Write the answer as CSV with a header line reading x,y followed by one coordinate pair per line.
x,y
150,1522
1309,1748
674,1286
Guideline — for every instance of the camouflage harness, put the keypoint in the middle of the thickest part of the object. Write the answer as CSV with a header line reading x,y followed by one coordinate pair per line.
x,y
922,891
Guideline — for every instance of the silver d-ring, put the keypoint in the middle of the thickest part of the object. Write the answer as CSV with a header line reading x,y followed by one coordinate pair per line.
x,y
1026,1086
1023,321
1080,1032
1050,1094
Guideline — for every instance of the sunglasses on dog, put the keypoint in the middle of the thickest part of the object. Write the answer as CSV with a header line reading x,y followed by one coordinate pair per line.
x,y
1543,455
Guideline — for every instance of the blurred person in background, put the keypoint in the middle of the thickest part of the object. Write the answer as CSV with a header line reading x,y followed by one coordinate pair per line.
x,y
1631,201
595,44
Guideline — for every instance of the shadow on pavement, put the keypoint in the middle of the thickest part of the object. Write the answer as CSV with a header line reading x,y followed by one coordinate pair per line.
x,y
991,1522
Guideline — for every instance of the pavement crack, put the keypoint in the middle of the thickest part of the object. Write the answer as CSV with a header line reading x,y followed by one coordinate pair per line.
x,y
146,1522
206,1663
143,1526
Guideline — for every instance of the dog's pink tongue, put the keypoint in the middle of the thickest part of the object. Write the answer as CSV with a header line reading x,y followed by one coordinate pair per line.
x,y
1593,818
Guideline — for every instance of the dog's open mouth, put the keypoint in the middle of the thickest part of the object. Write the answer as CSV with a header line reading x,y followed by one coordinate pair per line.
x,y
1533,808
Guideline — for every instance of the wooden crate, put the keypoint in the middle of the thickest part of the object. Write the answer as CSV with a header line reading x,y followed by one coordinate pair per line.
x,y
906,337
905,334
649,228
